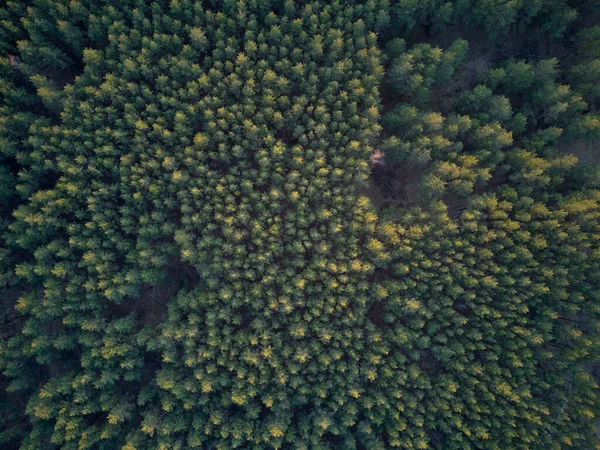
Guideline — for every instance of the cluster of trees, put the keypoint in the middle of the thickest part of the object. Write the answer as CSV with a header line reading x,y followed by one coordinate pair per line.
x,y
549,18
493,316
495,308
506,125
232,138
142,141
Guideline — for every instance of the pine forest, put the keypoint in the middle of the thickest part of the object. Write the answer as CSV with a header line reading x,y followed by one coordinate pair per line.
x,y
300,225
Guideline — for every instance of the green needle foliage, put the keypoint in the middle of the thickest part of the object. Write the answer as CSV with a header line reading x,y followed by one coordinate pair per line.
x,y
195,262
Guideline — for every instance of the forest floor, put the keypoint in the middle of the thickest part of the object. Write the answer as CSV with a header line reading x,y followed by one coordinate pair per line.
x,y
587,152
10,319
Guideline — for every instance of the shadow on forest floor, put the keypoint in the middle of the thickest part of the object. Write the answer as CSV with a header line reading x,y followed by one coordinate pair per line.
x,y
151,305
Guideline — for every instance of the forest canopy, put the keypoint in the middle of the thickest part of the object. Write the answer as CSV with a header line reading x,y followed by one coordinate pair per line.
x,y
258,224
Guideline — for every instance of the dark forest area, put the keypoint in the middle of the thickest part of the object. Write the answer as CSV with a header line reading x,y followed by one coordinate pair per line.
x,y
261,224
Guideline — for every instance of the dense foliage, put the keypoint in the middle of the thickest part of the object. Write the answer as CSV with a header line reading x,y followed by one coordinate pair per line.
x,y
215,239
